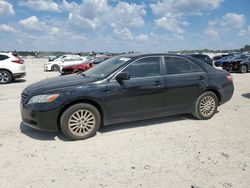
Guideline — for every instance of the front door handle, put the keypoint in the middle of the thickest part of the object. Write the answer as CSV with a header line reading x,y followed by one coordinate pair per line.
x,y
157,83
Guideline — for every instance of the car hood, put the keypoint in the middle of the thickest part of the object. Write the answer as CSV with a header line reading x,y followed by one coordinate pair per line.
x,y
57,83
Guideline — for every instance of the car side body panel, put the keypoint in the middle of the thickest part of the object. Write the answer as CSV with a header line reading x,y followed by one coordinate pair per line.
x,y
134,99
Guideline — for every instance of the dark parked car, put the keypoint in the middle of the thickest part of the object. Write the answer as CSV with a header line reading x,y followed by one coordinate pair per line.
x,y
204,58
238,64
217,57
219,62
125,88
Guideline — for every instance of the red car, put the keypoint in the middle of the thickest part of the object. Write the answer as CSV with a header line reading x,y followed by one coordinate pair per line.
x,y
83,67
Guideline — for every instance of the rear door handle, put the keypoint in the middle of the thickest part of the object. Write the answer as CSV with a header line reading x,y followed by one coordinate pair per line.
x,y
157,83
202,78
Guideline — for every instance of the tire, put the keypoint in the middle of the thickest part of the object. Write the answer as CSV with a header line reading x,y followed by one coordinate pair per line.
x,y
79,72
205,106
243,69
5,77
74,124
55,68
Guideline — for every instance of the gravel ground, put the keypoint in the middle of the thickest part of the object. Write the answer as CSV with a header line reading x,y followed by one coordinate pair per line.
x,y
176,151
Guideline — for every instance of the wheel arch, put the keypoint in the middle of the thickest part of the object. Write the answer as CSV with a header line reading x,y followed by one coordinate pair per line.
x,y
7,70
54,64
77,101
244,63
216,92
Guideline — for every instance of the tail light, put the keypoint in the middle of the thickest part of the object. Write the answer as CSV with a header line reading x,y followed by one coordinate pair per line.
x,y
17,60
230,78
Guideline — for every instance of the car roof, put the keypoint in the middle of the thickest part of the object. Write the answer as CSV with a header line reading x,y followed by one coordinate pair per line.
x,y
103,56
196,54
205,66
138,55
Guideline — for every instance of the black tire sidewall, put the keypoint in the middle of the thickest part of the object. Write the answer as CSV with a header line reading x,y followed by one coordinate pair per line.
x,y
9,75
55,67
66,115
197,105
241,69
79,71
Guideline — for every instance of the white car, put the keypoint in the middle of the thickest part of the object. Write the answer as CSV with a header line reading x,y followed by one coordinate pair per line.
x,y
65,60
11,67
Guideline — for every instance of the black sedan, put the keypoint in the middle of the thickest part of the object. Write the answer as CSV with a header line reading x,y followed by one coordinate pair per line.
x,y
239,64
125,88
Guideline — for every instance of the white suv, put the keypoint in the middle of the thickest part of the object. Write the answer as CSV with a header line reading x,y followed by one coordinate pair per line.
x,y
11,67
62,61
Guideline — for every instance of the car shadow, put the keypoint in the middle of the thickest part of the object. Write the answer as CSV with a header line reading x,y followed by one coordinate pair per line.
x,y
19,81
246,95
49,136
144,123
41,135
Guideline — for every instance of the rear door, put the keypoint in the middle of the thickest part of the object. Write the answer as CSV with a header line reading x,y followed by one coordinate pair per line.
x,y
184,81
142,95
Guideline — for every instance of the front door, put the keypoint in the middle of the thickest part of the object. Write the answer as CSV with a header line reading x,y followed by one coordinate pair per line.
x,y
140,96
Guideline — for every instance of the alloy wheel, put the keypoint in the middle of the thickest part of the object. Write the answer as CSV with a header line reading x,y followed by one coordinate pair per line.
x,y
81,122
55,68
207,106
4,77
243,69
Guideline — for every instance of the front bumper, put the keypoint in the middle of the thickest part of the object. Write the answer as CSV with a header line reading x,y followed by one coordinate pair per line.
x,y
39,119
47,67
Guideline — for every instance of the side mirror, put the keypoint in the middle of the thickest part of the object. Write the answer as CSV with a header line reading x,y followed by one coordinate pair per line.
x,y
122,76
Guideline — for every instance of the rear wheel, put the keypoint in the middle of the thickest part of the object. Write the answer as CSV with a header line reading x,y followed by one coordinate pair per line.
x,y
80,121
5,77
243,69
205,106
55,68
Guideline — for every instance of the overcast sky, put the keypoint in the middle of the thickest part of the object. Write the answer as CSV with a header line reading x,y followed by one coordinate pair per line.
x,y
117,26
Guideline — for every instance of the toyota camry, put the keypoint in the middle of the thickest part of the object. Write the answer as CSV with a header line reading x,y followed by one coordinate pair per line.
x,y
125,88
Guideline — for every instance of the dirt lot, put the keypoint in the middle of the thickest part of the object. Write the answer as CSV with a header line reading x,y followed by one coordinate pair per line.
x,y
174,151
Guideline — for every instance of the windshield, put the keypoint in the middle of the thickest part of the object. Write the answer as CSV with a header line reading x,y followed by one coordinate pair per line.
x,y
105,68
226,57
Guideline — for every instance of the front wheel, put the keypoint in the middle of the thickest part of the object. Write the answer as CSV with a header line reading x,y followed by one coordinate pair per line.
x,y
79,72
243,69
80,121
205,106
55,68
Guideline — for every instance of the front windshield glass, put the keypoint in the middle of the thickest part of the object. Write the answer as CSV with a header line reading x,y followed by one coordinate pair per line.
x,y
105,68
226,57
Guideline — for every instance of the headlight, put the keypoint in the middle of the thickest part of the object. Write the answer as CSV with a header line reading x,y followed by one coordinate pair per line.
x,y
43,98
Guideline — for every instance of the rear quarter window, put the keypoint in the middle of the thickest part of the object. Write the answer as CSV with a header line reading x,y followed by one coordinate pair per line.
x,y
3,57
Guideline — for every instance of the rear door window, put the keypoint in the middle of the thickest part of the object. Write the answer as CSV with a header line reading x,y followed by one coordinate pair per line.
x,y
179,65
